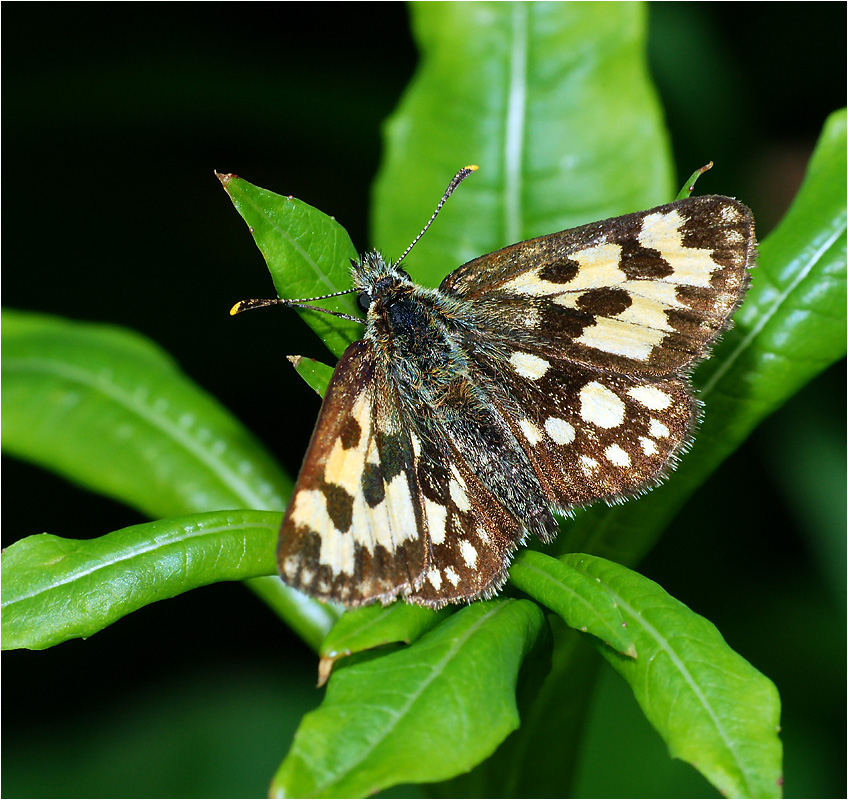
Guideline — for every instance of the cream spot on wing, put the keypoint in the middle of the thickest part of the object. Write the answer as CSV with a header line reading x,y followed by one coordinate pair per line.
x,y
649,446
309,509
664,294
588,465
306,576
435,579
458,495
621,338
344,467
389,523
530,318
483,534
436,515
600,406
650,397
559,430
692,266
730,214
451,575
658,430
646,313
599,266
529,366
469,553
531,433
733,237
615,455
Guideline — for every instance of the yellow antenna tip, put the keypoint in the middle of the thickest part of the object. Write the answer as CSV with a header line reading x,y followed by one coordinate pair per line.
x,y
473,167
236,308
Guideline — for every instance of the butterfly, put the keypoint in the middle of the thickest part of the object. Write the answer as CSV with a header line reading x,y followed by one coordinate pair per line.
x,y
536,379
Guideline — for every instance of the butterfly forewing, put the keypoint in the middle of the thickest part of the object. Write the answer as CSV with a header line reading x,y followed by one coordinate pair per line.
x,y
643,294
352,532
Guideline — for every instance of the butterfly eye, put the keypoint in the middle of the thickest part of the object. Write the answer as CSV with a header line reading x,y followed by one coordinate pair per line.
x,y
363,300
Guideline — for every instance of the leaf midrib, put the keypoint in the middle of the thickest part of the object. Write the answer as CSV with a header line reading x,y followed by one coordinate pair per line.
x,y
97,383
436,671
168,540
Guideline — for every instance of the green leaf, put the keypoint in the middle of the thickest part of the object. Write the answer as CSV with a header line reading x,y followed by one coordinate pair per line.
x,y
316,374
710,706
551,100
583,602
110,411
554,103
56,589
307,253
789,329
365,628
422,713
689,186
107,409
798,286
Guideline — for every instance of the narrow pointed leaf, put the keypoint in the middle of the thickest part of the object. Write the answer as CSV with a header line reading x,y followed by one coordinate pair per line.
x,y
316,374
109,410
422,713
56,589
712,708
551,100
373,626
583,602
307,252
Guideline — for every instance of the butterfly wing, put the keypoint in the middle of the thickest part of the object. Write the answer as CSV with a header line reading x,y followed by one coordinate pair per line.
x,y
589,435
584,338
643,294
353,531
472,536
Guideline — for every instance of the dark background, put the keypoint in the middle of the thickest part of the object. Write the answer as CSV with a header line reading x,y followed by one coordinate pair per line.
x,y
115,116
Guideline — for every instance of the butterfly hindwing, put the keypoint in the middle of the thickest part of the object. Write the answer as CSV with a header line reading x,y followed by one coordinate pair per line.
x,y
591,435
472,536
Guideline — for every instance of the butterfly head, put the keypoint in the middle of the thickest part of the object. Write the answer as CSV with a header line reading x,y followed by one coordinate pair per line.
x,y
374,278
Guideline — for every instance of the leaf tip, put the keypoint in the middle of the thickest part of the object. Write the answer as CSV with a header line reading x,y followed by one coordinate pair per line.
x,y
325,667
225,177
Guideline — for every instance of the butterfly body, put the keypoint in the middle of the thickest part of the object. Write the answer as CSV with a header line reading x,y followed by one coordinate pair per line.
x,y
538,378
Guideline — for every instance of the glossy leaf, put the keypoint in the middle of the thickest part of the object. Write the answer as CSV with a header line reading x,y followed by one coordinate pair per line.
x,y
711,706
789,329
316,374
583,602
422,713
109,410
307,252
554,104
743,381
373,626
56,589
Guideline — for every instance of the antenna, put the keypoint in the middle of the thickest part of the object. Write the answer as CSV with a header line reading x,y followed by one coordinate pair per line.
x,y
457,179
248,305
